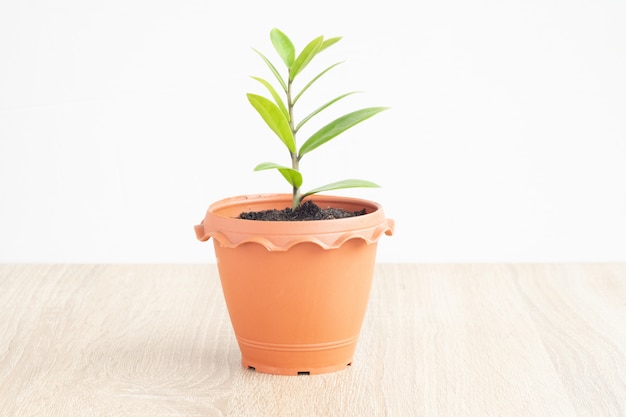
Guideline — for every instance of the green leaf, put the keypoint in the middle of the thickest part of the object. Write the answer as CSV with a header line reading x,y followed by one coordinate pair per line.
x,y
307,54
337,127
303,121
277,99
353,183
329,42
283,46
274,118
295,100
291,175
273,69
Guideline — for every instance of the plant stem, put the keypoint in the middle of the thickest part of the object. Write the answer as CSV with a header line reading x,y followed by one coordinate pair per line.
x,y
295,162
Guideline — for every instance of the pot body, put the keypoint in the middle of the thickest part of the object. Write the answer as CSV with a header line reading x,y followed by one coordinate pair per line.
x,y
296,292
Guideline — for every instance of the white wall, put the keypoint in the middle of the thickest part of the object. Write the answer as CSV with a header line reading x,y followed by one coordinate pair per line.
x,y
120,121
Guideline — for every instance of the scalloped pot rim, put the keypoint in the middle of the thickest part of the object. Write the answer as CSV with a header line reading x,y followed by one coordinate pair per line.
x,y
221,223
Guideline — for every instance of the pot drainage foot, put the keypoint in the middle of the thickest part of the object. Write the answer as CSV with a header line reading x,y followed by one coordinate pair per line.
x,y
287,372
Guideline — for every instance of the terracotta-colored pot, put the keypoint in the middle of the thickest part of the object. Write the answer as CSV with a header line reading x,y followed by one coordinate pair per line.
x,y
297,291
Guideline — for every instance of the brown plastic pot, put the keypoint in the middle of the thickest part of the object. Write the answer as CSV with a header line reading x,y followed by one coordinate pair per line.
x,y
296,292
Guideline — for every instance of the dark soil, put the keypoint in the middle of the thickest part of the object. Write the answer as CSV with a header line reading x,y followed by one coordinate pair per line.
x,y
307,211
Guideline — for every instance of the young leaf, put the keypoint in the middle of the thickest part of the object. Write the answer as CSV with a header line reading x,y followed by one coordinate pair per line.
x,y
354,183
322,108
277,99
337,127
291,175
273,69
274,118
295,100
307,54
283,46
329,42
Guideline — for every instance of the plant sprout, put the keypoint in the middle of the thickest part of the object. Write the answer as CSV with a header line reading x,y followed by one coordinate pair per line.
x,y
279,114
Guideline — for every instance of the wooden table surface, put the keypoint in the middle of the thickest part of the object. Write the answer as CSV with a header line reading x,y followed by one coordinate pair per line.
x,y
438,340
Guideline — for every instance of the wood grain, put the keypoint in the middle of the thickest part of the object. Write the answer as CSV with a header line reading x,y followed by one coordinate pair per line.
x,y
438,340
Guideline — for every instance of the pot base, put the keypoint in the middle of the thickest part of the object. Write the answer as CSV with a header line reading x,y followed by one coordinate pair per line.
x,y
301,359
294,372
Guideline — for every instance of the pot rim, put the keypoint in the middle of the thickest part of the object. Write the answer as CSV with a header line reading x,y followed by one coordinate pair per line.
x,y
221,224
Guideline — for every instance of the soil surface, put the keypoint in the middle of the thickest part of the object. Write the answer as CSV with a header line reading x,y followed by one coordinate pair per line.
x,y
307,211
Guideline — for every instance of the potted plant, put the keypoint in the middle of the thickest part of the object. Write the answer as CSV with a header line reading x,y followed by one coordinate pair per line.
x,y
296,269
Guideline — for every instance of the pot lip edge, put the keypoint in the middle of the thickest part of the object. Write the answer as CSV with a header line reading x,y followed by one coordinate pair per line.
x,y
281,235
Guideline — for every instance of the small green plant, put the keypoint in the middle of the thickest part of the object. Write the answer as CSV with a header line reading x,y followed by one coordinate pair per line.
x,y
279,114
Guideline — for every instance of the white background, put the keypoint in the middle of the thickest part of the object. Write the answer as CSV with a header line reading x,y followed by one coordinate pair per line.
x,y
121,121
